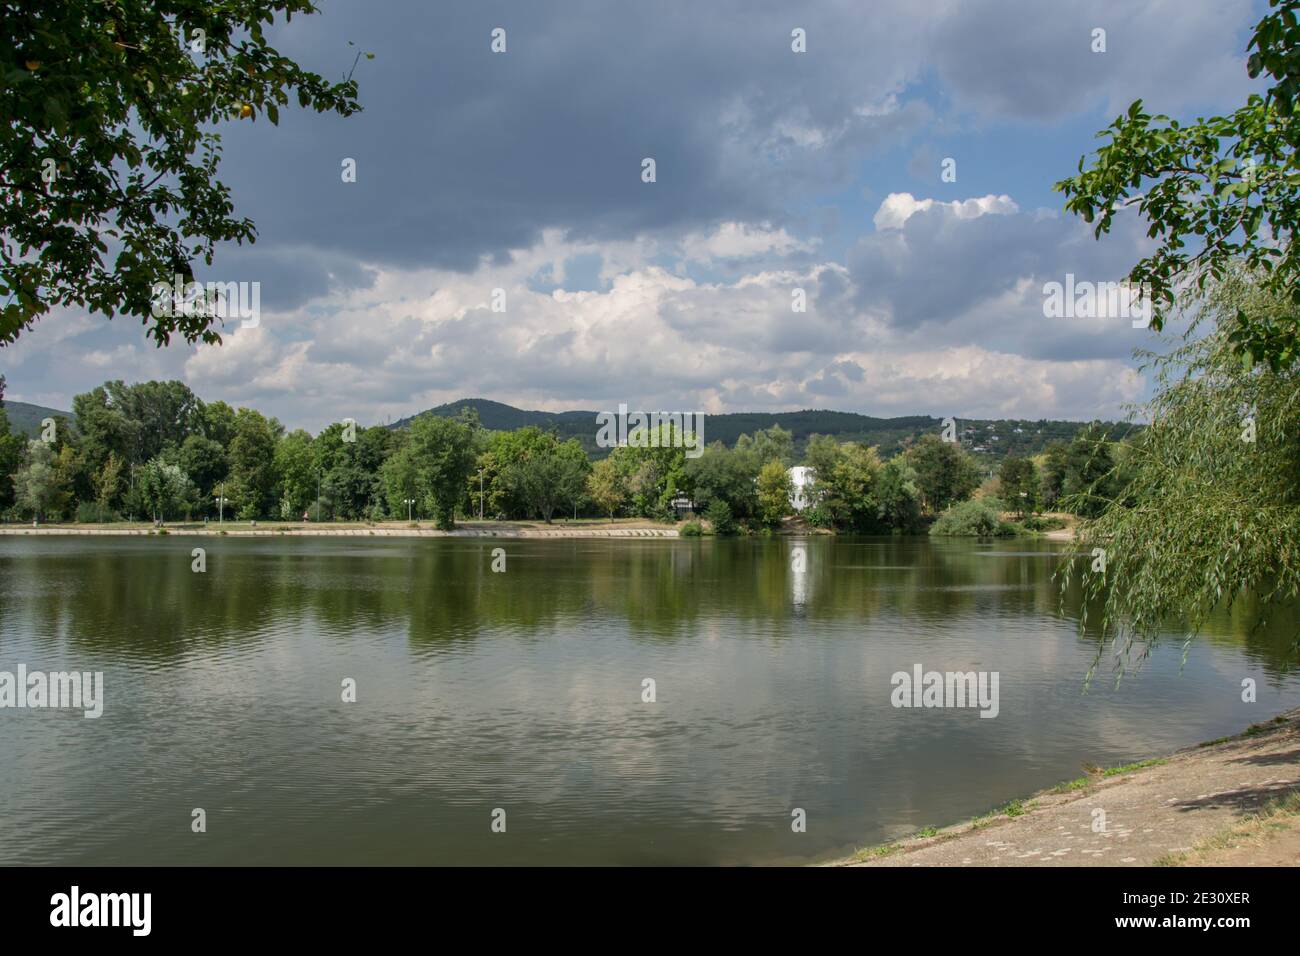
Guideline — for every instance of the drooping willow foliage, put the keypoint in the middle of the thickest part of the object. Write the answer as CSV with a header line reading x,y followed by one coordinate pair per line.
x,y
1209,503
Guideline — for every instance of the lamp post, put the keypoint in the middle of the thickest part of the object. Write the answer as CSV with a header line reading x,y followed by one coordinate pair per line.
x,y
480,494
409,502
221,503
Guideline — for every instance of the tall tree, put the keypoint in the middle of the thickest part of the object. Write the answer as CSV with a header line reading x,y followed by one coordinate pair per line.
x,y
1090,478
109,147
1055,462
1020,484
724,474
605,487
944,472
295,470
11,453
252,464
163,489
774,489
442,450
204,461
548,477
1210,513
39,487
767,444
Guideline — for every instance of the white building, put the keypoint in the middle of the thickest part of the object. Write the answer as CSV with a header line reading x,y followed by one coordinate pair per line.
x,y
801,479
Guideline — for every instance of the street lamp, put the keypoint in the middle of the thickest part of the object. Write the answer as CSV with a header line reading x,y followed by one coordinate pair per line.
x,y
480,494
221,503
408,502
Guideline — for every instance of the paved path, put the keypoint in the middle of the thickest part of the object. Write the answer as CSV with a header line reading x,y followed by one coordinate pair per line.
x,y
1150,813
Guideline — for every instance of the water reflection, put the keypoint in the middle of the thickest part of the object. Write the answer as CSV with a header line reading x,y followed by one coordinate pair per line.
x,y
522,689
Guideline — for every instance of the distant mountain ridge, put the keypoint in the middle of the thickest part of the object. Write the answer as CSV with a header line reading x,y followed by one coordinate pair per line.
x,y
27,418
991,439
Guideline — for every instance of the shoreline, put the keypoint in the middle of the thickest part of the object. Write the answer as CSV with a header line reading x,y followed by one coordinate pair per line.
x,y
1231,801
583,528
522,529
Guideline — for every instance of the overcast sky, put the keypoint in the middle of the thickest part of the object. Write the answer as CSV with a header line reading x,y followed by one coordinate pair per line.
x,y
775,170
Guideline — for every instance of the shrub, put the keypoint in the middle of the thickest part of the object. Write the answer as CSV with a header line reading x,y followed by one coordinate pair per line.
x,y
1033,523
819,516
719,516
692,529
971,519
92,512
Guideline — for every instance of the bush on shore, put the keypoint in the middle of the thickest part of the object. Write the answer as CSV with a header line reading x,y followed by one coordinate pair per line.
x,y
971,519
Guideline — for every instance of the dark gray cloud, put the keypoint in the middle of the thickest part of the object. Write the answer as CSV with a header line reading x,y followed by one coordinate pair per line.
x,y
463,154
529,162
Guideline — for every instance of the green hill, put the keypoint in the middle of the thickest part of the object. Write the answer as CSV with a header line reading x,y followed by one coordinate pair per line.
x,y
27,418
989,440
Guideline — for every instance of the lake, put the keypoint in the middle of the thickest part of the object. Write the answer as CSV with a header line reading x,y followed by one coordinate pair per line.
x,y
522,691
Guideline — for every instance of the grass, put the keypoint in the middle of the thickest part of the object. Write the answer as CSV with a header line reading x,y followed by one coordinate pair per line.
x,y
1097,773
1013,808
1277,814
886,849
1130,767
1253,730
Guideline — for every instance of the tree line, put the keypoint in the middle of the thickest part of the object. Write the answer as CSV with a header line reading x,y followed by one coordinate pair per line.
x,y
156,451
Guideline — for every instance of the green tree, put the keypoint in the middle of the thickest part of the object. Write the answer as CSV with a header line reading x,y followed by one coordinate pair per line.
x,y
1090,480
124,102
1020,484
1210,513
944,472
218,423
853,498
767,444
163,489
163,414
251,485
720,517
105,429
400,481
11,454
39,487
724,474
898,497
605,487
108,484
654,468
204,461
295,470
1216,192
1055,463
548,477
442,450
499,461
774,490
575,467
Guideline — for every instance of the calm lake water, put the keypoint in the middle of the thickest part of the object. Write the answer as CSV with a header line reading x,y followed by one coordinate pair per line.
x,y
523,691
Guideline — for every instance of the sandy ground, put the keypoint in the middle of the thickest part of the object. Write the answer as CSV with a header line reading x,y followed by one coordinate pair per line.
x,y
1200,806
